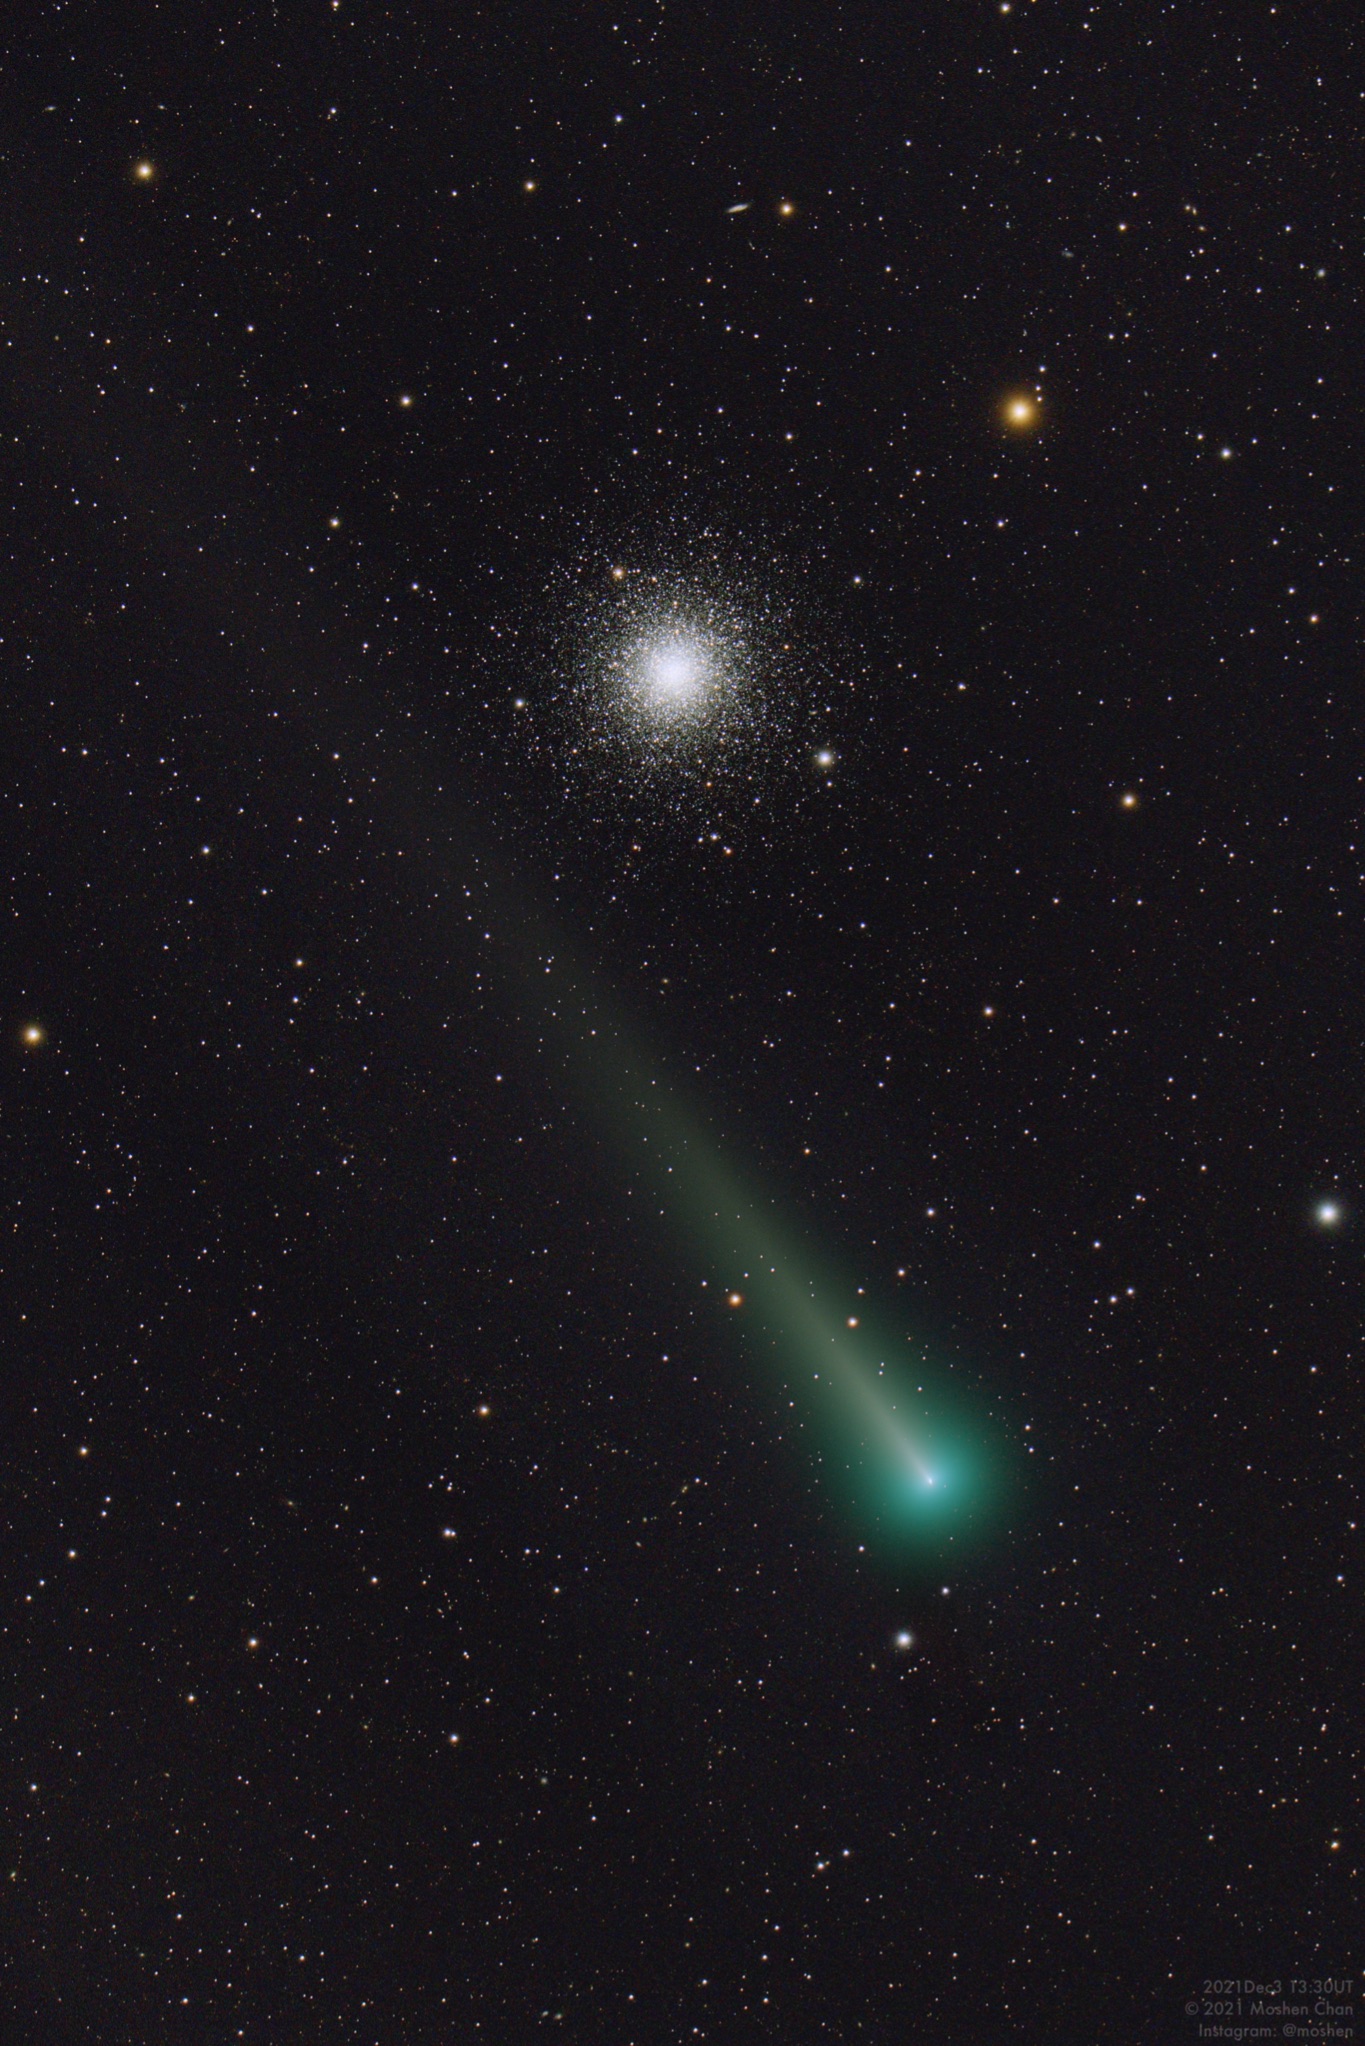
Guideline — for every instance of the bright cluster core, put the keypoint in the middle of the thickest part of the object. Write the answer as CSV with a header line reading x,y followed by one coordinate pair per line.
x,y
673,669
687,677
673,677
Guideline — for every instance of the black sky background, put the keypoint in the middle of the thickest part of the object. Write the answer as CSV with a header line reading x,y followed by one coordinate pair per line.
x,y
276,1233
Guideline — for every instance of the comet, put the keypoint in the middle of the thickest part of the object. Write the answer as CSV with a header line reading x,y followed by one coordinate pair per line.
x,y
895,1442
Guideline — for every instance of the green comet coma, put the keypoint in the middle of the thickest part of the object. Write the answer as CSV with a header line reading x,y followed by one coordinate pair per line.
x,y
900,1450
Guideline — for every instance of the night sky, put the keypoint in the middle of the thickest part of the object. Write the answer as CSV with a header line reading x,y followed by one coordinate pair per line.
x,y
682,1094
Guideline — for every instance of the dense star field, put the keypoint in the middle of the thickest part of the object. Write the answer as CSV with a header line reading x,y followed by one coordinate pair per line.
x,y
682,1108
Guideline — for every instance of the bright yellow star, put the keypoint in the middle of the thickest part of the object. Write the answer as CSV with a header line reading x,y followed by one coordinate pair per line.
x,y
1021,411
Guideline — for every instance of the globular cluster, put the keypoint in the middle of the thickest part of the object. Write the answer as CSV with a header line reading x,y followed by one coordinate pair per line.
x,y
670,668
681,670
